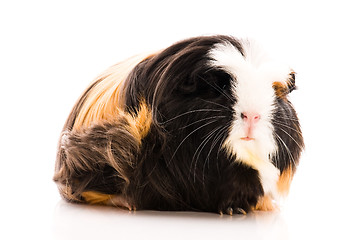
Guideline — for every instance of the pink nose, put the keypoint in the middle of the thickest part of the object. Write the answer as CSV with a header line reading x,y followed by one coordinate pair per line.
x,y
250,117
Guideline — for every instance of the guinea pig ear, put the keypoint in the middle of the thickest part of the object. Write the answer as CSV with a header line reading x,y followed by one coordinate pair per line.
x,y
291,83
284,88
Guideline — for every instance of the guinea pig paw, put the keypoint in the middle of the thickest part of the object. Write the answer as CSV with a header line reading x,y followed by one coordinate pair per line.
x,y
230,211
240,211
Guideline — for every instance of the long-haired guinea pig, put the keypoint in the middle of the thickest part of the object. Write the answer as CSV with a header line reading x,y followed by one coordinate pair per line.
x,y
203,125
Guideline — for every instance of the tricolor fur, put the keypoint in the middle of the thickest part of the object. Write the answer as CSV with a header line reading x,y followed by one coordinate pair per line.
x,y
204,125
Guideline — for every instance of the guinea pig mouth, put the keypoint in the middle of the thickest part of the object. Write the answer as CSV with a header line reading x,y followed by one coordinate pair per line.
x,y
247,139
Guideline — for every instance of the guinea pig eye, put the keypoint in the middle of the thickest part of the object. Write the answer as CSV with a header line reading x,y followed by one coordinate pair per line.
x,y
208,84
223,81
217,82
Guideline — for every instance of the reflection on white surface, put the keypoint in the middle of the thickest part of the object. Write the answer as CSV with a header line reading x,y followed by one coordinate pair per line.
x,y
76,221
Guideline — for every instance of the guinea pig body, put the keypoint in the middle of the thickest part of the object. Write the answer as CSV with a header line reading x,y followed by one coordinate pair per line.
x,y
204,125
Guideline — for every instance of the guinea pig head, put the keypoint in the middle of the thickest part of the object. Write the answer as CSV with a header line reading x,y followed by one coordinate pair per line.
x,y
222,97
265,132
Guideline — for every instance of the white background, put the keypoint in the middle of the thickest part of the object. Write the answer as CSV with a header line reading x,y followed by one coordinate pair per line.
x,y
51,50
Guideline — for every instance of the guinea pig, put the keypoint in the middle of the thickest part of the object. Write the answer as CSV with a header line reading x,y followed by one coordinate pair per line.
x,y
203,125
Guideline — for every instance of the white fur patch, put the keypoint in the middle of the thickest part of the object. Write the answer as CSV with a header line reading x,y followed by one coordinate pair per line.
x,y
254,75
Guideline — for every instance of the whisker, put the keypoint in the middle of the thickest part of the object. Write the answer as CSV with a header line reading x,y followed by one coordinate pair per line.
x,y
202,144
216,138
195,130
189,112
287,118
217,88
217,104
291,137
202,121
200,148
287,149
284,125
223,139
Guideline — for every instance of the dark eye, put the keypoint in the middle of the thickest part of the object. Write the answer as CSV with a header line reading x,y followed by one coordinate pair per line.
x,y
211,83
218,82
223,80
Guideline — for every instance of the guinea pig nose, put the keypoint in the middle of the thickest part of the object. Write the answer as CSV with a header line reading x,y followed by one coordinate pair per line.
x,y
250,117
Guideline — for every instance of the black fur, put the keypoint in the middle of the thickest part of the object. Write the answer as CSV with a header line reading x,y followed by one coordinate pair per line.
x,y
288,135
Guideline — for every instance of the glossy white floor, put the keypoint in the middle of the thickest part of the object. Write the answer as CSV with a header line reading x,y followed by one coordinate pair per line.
x,y
50,52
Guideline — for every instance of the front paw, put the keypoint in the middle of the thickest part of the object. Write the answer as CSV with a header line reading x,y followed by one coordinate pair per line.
x,y
239,191
239,202
233,210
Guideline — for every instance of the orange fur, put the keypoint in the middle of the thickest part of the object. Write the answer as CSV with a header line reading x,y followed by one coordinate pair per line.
x,y
104,100
284,181
280,89
139,122
265,204
283,186
142,120
97,198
